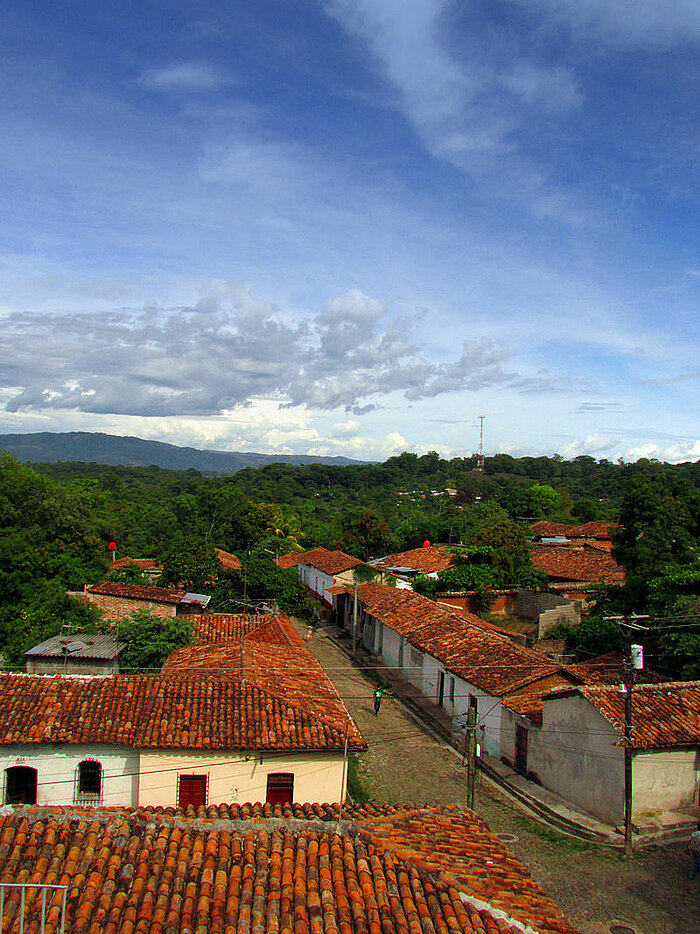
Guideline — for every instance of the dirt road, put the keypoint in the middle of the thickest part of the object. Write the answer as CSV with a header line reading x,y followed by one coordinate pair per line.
x,y
406,764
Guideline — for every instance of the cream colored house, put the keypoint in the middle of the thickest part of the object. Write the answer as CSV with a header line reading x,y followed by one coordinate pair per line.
x,y
235,722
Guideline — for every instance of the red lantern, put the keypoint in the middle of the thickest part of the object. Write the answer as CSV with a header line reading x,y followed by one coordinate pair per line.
x,y
426,543
112,546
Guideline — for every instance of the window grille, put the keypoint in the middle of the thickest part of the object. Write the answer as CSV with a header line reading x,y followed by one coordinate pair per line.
x,y
89,782
35,901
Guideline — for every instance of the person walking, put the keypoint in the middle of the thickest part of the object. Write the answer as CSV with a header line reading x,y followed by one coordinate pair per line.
x,y
378,692
694,850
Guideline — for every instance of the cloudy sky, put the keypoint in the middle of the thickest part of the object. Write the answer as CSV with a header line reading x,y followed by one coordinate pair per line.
x,y
353,226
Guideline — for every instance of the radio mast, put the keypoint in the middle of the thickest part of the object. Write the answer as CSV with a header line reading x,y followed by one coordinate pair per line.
x,y
480,455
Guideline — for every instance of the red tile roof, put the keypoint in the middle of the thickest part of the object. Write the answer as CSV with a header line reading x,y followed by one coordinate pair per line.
x,y
162,712
601,530
146,564
564,563
380,870
273,658
224,627
329,562
477,653
662,714
427,560
137,592
289,561
228,561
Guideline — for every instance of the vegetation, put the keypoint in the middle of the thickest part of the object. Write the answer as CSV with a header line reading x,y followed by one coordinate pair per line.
x,y
150,639
56,521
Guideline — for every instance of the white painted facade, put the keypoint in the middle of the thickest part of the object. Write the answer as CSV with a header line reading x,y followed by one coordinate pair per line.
x,y
239,778
57,771
423,671
132,777
316,581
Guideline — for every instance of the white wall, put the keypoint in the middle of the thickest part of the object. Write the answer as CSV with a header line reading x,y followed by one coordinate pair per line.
x,y
665,779
236,777
57,766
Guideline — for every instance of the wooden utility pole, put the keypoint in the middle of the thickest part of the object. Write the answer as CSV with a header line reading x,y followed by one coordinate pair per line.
x,y
471,758
629,624
354,622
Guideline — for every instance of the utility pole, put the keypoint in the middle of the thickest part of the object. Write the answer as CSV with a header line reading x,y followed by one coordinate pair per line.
x,y
470,741
354,622
633,661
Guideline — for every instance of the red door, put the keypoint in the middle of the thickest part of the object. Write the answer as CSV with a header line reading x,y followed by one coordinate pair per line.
x,y
192,789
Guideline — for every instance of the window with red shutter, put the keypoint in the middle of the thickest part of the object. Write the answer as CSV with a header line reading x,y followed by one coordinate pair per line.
x,y
191,789
280,788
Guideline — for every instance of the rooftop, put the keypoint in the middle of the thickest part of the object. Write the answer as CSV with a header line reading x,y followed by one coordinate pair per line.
x,y
428,560
662,714
255,868
602,530
137,592
185,712
227,560
564,563
78,645
329,562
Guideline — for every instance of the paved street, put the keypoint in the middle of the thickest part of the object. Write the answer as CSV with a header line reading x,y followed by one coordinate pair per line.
x,y
405,764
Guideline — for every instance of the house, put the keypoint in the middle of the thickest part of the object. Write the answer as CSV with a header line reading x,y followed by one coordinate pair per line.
x,y
574,746
227,560
117,601
79,653
147,566
264,868
589,535
406,565
252,718
576,574
456,660
289,561
321,569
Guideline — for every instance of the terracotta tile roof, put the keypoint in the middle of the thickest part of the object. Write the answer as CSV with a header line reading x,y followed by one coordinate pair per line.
x,y
273,658
329,562
565,563
228,561
427,560
424,871
290,560
662,714
460,640
609,669
160,712
601,530
137,592
146,564
224,627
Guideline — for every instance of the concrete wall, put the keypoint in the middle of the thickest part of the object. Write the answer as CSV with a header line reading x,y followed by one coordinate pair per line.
x,y
36,665
57,766
236,777
574,754
665,780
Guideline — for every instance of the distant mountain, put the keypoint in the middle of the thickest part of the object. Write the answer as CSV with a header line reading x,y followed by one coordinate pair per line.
x,y
48,447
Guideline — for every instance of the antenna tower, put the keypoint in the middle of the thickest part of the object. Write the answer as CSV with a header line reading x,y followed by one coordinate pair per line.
x,y
480,456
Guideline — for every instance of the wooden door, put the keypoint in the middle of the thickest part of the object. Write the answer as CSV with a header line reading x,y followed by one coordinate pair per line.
x,y
520,748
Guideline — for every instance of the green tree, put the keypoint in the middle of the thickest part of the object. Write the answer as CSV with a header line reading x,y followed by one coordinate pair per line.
x,y
190,563
149,640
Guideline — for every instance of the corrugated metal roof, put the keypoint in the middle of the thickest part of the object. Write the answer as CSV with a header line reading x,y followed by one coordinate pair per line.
x,y
78,645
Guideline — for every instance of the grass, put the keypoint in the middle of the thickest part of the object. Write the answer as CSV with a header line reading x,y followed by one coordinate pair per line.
x,y
356,789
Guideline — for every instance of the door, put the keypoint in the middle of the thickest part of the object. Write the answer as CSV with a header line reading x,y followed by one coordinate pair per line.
x,y
192,789
280,788
20,785
520,748
441,688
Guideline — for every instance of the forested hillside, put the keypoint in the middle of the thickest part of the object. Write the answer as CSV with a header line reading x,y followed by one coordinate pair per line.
x,y
56,521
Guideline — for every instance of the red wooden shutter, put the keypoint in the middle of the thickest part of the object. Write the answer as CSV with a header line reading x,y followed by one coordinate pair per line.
x,y
192,789
280,788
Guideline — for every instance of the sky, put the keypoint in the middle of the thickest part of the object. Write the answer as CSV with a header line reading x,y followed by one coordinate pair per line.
x,y
353,227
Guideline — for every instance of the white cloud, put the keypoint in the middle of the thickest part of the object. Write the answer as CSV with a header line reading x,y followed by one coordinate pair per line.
x,y
182,76
595,445
674,453
625,23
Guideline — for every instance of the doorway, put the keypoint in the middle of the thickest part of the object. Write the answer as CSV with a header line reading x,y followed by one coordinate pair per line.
x,y
441,688
520,749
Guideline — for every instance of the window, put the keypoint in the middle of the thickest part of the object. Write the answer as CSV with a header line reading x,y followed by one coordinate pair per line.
x,y
280,788
20,785
89,781
191,789
452,690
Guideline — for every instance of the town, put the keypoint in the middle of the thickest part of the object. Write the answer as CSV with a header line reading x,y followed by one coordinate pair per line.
x,y
261,704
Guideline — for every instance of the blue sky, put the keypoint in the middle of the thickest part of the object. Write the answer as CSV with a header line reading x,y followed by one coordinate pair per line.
x,y
353,227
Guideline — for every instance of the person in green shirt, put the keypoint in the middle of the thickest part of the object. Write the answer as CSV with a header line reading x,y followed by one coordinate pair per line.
x,y
377,700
